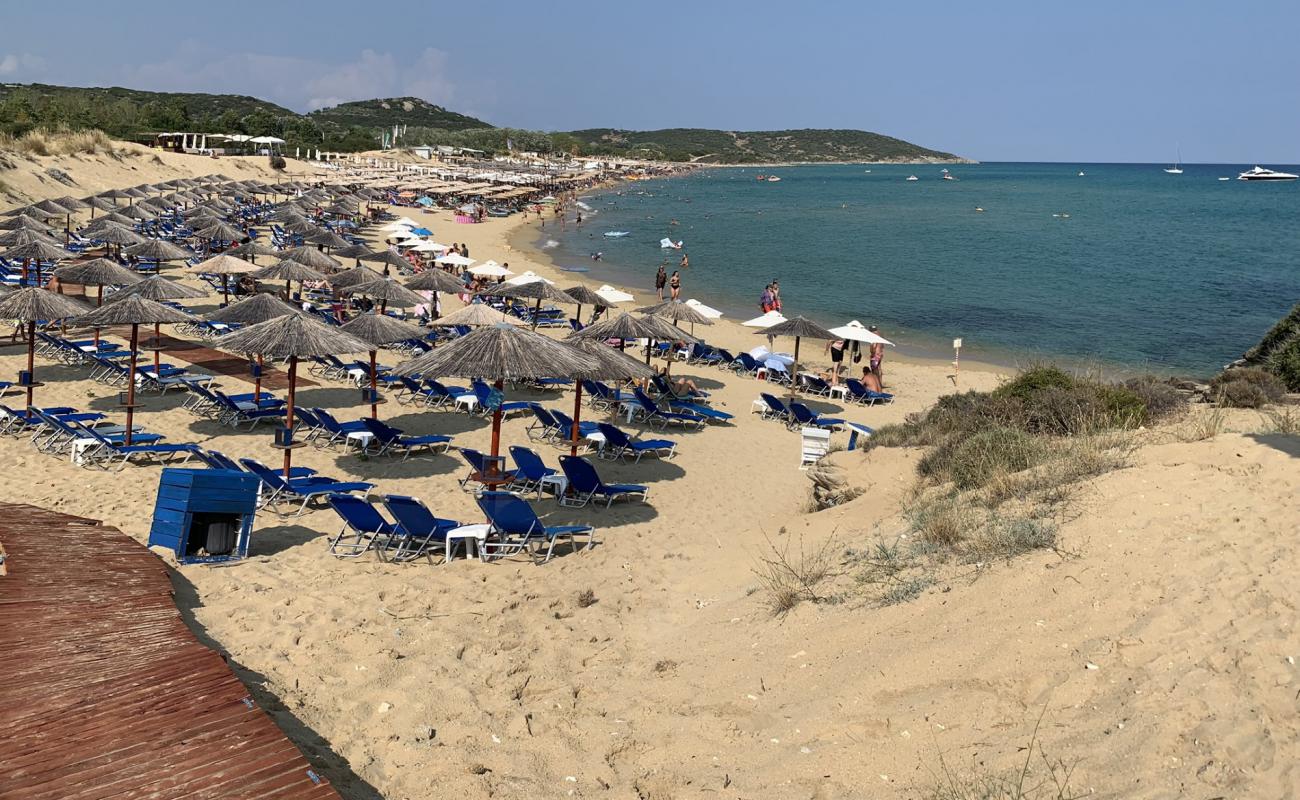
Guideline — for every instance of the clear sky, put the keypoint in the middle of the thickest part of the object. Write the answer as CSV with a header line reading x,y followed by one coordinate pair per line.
x,y
1022,81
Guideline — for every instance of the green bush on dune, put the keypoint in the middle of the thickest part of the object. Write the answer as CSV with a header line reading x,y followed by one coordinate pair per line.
x,y
1248,387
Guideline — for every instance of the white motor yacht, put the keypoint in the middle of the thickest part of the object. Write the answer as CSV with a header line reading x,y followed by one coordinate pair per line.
x,y
1261,174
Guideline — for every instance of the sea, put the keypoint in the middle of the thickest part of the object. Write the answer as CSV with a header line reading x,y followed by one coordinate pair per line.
x,y
1123,266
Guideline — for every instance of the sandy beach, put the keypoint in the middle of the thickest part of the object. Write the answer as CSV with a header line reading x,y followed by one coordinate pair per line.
x,y
1153,651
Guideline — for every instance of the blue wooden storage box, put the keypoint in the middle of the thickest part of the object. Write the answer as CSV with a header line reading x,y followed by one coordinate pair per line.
x,y
204,515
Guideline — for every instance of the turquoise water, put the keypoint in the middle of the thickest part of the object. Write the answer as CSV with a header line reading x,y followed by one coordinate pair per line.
x,y
1148,270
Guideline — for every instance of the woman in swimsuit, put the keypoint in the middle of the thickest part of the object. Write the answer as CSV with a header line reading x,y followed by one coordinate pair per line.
x,y
675,284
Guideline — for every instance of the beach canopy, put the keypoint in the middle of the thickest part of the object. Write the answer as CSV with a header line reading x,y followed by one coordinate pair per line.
x,y
351,277
156,287
252,310
435,280
253,250
800,328
388,258
288,270
97,272
765,321
224,264
624,326
457,260
587,297
313,258
857,332
676,311
614,296
158,250
379,330
476,314
38,250
389,292
708,311
32,304
527,276
22,236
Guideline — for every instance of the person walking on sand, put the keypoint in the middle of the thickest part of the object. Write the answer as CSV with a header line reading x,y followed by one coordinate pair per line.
x,y
836,349
675,284
877,357
661,280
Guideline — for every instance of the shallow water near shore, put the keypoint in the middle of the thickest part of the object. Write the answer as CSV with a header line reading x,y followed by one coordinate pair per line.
x,y
1125,266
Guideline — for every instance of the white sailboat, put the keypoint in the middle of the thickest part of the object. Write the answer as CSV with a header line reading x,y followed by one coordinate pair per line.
x,y
1177,168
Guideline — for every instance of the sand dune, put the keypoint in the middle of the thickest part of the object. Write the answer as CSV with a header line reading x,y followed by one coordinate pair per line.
x,y
1158,647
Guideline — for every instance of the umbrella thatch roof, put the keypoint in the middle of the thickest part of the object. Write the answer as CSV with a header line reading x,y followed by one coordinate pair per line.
x,y
624,326
22,236
502,352
98,203
132,309
51,207
677,311
71,203
328,239
255,309
35,303
435,280
305,227
110,219
476,314
253,249
30,211
113,194
313,258
288,270
352,251
98,272
532,290
222,232
158,250
798,326
387,257
351,277
389,290
223,264
585,296
611,364
114,233
293,335
157,287
39,250
25,221
381,329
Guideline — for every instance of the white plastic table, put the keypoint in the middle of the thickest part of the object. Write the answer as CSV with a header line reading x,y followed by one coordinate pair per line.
x,y
474,534
558,483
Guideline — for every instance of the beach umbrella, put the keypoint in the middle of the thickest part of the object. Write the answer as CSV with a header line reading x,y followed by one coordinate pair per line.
x,y
258,308
36,251
289,271
435,281
623,327
328,238
457,260
585,296
611,364
386,291
676,311
614,296
158,251
21,236
52,208
135,311
500,353
527,276
292,336
97,204
119,235
475,315
99,272
388,258
355,251
536,290
157,288
855,331
251,250
351,277
379,330
313,258
708,311
225,265
800,328
29,305
220,232
109,220
25,222
114,195
304,227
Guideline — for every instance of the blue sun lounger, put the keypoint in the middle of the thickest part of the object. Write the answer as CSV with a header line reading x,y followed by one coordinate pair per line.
x,y
419,529
585,484
619,445
515,527
363,526
279,491
387,439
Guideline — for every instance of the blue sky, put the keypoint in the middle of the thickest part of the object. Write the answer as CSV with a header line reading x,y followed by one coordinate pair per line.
x,y
1023,81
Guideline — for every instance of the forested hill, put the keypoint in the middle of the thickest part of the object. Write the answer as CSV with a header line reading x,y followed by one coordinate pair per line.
x,y
135,115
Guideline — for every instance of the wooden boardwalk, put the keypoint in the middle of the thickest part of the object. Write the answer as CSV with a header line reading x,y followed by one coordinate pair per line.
x,y
106,693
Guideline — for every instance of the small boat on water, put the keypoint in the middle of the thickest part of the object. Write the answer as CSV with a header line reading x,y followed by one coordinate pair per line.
x,y
1261,174
913,178
1225,179
1177,168
947,176
668,244
616,234
1080,173
772,179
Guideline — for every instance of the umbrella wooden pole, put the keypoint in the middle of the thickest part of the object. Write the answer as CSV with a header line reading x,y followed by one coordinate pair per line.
x,y
99,301
225,289
794,370
577,412
157,350
374,388
130,383
287,292
496,432
537,309
288,415
257,384
31,360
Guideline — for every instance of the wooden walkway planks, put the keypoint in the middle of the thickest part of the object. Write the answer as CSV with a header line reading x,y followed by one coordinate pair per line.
x,y
106,693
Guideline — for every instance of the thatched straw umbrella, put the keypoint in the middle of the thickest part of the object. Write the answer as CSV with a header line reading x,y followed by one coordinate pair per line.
x,y
158,288
28,305
97,204
134,311
258,308
251,250
536,290
611,365
388,291
388,258
379,330
99,272
27,221
435,281
476,315
225,265
585,296
353,251
158,251
500,353
288,271
292,336
22,236
37,252
799,328
676,311
351,277
328,238
313,258
220,232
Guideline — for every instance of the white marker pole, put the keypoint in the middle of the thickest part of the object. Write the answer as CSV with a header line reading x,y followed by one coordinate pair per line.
x,y
956,359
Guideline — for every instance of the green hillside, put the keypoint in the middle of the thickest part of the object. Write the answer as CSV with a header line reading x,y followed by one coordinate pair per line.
x,y
754,147
360,125
386,112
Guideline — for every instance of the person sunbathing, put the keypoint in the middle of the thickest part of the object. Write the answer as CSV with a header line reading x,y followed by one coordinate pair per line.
x,y
870,380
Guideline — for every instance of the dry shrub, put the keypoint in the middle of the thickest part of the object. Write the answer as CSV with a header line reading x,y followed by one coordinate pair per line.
x,y
941,522
1071,461
1247,387
1284,421
970,462
1203,426
59,142
1163,400
792,578
586,598
1040,777
1005,537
